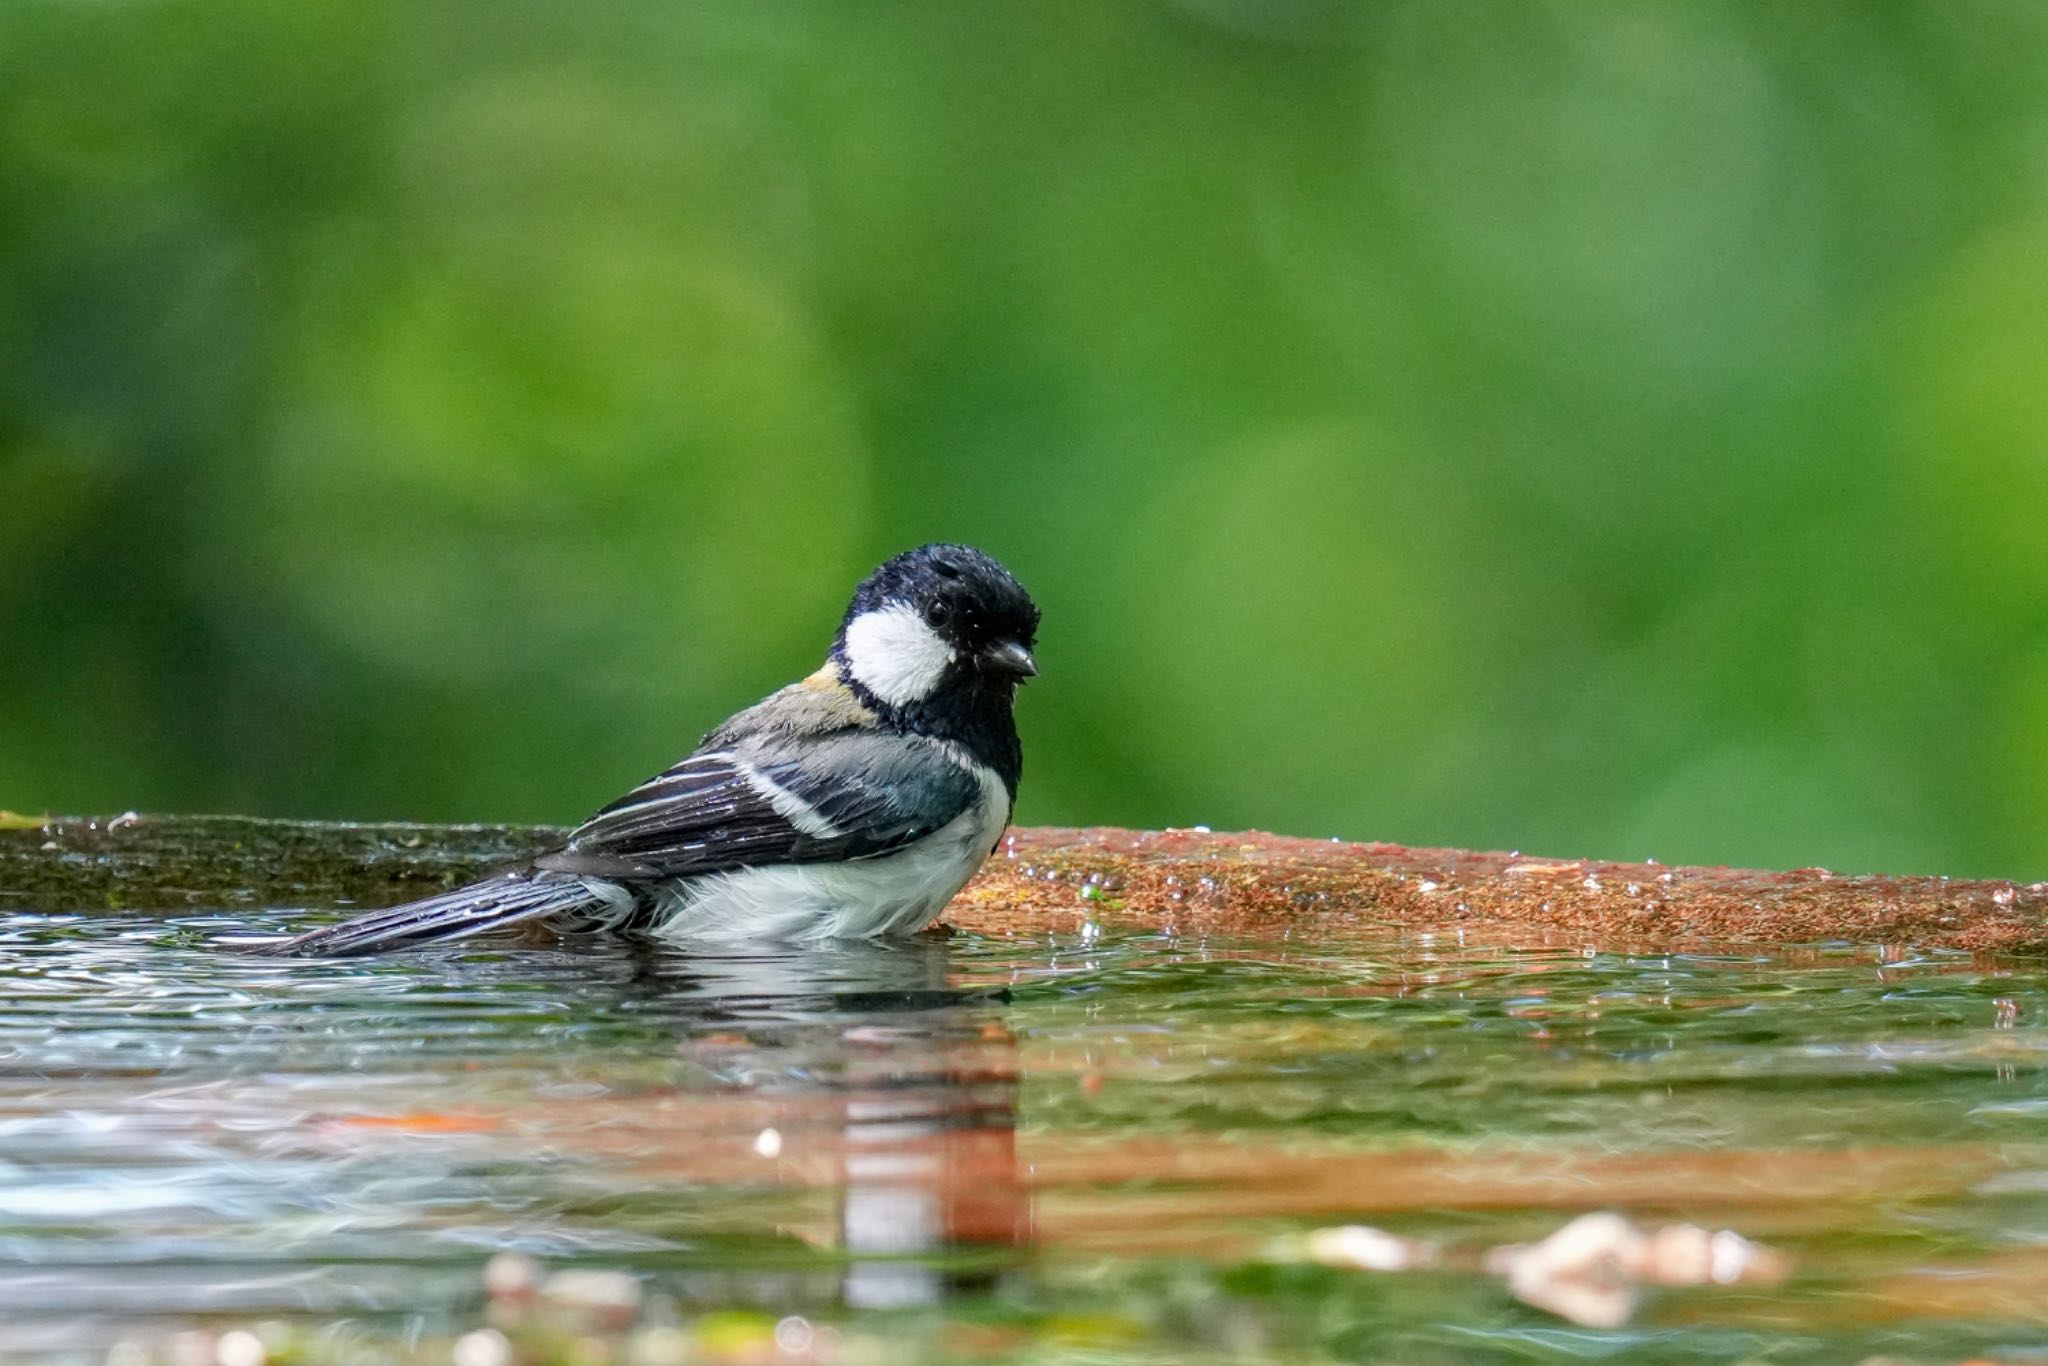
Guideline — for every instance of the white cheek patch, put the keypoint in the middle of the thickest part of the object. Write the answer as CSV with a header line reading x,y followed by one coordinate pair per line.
x,y
895,656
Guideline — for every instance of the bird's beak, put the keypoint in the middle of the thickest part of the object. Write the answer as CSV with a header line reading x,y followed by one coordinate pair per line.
x,y
1011,658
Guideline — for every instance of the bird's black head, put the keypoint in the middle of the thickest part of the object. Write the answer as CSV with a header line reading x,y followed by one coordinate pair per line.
x,y
937,641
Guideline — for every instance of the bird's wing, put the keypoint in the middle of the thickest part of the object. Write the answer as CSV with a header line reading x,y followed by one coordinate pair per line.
x,y
775,797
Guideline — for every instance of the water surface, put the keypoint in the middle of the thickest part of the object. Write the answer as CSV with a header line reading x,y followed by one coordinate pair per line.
x,y
1099,1143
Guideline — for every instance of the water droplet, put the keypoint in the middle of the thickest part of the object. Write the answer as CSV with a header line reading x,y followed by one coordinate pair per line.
x,y
240,1347
483,1347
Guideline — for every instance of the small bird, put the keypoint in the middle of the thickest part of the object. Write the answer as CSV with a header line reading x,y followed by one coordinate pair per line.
x,y
850,805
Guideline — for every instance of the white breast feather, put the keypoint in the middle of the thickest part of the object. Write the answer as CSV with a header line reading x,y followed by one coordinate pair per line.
x,y
897,893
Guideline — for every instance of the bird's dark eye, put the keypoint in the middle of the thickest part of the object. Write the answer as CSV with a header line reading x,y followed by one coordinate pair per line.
x,y
938,613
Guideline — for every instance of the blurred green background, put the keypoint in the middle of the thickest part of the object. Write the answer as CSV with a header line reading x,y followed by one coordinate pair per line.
x,y
1589,429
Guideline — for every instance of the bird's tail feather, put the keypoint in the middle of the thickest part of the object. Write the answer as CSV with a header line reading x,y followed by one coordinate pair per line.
x,y
488,905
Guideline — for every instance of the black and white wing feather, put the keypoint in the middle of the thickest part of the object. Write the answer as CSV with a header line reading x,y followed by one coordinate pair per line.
x,y
769,797
496,903
775,799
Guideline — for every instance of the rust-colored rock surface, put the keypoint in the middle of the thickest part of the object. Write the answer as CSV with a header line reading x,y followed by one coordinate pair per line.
x,y
1256,883
1054,879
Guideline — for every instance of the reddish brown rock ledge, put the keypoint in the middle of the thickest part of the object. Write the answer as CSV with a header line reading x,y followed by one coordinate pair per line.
x,y
1045,880
1256,883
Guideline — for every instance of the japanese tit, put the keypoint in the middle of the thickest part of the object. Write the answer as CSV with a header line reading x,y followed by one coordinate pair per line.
x,y
852,804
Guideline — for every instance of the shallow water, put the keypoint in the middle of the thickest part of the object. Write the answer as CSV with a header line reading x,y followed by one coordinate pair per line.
x,y
1097,1144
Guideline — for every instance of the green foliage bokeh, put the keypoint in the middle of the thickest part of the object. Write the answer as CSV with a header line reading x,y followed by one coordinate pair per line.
x,y
1591,429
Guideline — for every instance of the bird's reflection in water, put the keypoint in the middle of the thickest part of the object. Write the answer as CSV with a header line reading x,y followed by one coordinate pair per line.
x,y
885,1079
